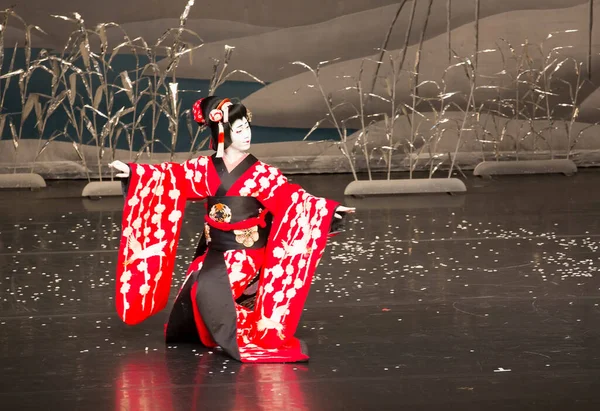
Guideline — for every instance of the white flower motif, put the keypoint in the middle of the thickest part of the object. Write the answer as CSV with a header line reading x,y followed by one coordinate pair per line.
x,y
144,289
174,229
250,183
198,177
269,288
287,280
156,175
289,270
261,168
316,233
236,276
144,193
160,190
159,234
175,216
133,201
126,276
146,231
137,223
295,197
303,221
127,232
298,283
203,160
277,271
156,219
142,266
278,252
274,171
147,215
278,297
264,182
139,170
174,194
159,208
125,288
189,174
302,264
291,293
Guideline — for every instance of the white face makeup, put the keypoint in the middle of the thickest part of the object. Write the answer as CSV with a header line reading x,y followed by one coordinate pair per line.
x,y
240,135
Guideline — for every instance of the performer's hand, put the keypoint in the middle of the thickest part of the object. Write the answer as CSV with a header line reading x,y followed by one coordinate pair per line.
x,y
120,166
343,209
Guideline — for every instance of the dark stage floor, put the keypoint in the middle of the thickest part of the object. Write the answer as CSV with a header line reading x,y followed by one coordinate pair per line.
x,y
484,301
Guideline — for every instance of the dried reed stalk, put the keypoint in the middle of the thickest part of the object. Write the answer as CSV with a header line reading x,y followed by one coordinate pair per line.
x,y
476,54
590,37
331,115
421,40
449,29
385,44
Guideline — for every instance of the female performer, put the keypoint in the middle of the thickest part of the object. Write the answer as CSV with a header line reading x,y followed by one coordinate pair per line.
x,y
263,238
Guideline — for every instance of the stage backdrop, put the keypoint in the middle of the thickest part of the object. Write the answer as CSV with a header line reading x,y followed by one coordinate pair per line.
x,y
332,85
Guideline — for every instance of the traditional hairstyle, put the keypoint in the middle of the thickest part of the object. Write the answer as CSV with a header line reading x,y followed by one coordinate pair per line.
x,y
218,114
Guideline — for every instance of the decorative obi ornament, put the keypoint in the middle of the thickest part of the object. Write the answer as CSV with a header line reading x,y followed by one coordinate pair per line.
x,y
220,213
247,237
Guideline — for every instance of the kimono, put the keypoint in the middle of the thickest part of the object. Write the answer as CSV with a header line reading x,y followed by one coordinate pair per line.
x,y
246,286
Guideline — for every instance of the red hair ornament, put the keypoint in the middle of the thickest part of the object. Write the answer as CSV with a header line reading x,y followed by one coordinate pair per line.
x,y
197,111
218,115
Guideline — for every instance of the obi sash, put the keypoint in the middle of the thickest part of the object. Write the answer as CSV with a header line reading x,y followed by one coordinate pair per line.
x,y
236,223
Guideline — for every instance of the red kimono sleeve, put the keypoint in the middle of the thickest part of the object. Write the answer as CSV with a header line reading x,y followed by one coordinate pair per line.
x,y
152,215
298,238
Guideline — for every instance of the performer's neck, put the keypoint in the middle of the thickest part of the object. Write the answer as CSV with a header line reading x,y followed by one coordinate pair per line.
x,y
233,157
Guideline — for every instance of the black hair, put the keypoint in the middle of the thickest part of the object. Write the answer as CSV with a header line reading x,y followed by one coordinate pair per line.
x,y
237,111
